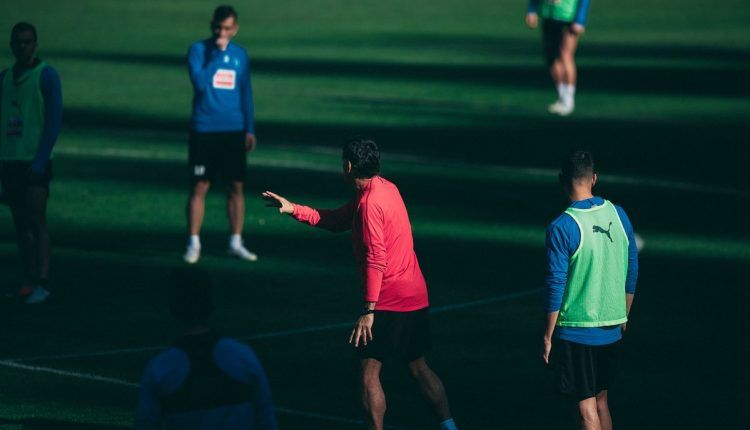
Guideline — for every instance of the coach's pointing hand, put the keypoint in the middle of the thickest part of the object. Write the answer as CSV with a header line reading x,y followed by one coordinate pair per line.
x,y
363,329
276,201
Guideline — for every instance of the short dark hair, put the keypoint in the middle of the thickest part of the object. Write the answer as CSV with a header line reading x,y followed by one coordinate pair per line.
x,y
364,155
577,165
223,12
22,26
190,298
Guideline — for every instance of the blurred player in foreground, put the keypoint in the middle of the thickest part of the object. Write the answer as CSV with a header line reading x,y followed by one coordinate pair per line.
x,y
31,117
563,23
222,129
204,381
592,264
394,319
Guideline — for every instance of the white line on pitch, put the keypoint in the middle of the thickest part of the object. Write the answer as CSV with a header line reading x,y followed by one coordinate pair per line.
x,y
281,333
124,383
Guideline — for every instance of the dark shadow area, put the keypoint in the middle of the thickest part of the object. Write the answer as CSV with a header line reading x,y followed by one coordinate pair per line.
x,y
50,424
628,79
644,147
428,197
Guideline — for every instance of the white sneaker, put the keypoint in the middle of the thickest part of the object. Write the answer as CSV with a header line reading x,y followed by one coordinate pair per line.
x,y
560,108
242,253
192,254
37,296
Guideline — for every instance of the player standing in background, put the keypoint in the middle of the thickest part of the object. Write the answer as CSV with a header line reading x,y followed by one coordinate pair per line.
x,y
592,261
394,319
31,116
563,22
222,129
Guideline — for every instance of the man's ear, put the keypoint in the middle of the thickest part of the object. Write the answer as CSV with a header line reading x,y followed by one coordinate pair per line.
x,y
593,180
348,167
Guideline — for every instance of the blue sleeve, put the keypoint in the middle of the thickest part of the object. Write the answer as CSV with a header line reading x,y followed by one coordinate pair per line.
x,y
582,15
199,66
632,276
148,411
239,361
533,6
563,238
247,100
52,93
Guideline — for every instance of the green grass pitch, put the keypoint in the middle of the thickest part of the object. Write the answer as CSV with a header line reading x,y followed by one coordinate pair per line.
x,y
455,93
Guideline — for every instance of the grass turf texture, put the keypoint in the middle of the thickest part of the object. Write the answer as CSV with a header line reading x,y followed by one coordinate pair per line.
x,y
455,93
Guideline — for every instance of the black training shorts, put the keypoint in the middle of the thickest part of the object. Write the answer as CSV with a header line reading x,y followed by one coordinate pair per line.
x,y
404,336
552,37
583,371
16,178
217,156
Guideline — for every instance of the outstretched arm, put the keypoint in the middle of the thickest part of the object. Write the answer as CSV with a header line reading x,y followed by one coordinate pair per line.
x,y
335,220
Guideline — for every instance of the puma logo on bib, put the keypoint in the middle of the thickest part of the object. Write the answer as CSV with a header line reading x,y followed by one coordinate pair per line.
x,y
225,79
598,229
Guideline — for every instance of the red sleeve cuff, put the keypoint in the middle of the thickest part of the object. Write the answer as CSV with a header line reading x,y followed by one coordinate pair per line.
x,y
373,283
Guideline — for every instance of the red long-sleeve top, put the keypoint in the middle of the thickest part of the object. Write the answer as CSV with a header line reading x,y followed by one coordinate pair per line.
x,y
383,244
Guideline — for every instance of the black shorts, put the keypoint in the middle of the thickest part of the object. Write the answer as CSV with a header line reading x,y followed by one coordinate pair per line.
x,y
583,371
404,336
552,37
217,156
16,177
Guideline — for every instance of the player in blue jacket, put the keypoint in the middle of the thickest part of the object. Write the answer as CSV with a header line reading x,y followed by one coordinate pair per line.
x,y
203,381
222,129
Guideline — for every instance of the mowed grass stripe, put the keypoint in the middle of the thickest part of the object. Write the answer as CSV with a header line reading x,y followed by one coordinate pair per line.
x,y
408,164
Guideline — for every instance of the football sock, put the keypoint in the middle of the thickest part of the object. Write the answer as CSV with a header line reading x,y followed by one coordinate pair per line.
x,y
194,241
235,241
560,91
569,94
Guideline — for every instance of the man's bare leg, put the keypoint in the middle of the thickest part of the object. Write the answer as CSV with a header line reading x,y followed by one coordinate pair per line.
x,y
24,239
431,387
589,414
602,408
36,208
373,396
235,207
196,207
567,58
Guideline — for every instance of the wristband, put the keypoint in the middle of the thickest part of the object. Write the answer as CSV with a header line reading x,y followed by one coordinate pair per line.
x,y
366,312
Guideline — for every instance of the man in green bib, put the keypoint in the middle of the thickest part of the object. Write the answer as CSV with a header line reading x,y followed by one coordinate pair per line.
x,y
592,261
30,120
563,22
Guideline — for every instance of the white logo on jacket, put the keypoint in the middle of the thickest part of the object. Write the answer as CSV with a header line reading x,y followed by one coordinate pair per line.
x,y
225,79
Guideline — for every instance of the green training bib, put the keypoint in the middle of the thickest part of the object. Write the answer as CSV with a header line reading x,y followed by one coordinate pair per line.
x,y
595,292
21,115
559,10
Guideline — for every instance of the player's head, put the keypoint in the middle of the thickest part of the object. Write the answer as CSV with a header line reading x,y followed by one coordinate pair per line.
x,y
190,298
361,158
224,22
578,170
23,42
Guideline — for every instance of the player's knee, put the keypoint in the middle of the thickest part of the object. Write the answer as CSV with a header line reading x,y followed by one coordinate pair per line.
x,y
235,189
601,400
588,410
418,369
200,189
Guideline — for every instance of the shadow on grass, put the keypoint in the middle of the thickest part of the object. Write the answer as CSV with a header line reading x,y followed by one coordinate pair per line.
x,y
661,148
621,78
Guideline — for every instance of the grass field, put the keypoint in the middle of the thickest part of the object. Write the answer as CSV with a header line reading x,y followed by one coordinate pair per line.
x,y
455,93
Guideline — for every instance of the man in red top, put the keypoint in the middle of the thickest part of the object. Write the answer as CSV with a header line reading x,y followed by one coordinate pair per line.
x,y
394,322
